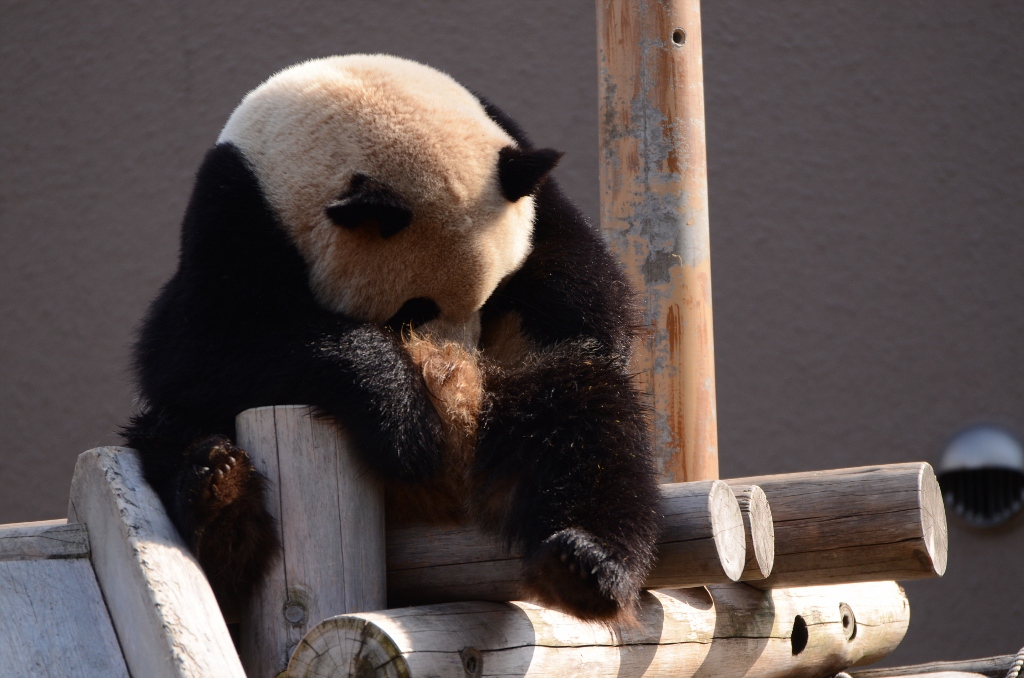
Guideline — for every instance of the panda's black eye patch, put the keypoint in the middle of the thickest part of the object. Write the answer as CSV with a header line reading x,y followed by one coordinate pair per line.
x,y
368,202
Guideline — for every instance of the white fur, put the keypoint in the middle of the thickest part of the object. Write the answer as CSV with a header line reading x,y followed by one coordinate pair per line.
x,y
308,129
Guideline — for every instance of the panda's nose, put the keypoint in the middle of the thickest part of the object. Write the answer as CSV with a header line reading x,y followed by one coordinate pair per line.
x,y
413,313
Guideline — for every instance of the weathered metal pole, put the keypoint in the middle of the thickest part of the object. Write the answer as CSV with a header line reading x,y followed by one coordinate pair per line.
x,y
654,213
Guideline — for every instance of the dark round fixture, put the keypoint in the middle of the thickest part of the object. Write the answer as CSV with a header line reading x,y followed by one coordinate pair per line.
x,y
982,475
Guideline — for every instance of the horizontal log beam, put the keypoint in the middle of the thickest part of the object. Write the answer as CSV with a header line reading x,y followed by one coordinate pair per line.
x,y
702,542
870,523
725,630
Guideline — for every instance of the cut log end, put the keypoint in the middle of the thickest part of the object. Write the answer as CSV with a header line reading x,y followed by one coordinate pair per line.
x,y
933,520
760,531
727,528
347,646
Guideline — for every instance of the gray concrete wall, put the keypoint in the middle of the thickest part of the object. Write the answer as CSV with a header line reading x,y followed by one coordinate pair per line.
x,y
866,182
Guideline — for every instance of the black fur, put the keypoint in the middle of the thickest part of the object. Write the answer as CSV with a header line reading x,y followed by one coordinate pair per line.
x,y
563,464
521,170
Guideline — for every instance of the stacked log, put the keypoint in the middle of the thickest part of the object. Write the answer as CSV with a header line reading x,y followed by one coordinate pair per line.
x,y
724,630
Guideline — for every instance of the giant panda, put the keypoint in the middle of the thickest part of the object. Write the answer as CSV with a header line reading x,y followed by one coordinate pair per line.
x,y
370,238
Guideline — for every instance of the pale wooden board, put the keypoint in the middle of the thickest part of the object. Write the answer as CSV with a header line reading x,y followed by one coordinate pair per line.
x,y
727,630
53,621
159,600
43,539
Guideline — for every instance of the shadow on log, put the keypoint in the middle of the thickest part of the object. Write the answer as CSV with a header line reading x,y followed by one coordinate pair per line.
x,y
727,630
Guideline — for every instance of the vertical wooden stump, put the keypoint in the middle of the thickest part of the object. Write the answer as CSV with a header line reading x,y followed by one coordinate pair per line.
x,y
654,213
330,513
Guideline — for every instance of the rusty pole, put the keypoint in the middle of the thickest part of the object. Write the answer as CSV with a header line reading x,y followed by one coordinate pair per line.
x,y
654,213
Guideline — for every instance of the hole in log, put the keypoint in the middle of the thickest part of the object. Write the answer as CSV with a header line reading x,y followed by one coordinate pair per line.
x,y
799,635
849,621
679,36
472,662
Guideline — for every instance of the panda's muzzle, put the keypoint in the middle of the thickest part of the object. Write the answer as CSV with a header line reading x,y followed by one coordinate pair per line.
x,y
415,312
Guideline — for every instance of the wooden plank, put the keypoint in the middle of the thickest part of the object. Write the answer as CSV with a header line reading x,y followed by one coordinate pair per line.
x,y
654,214
858,524
760,531
702,542
53,621
331,515
43,539
734,630
991,667
159,601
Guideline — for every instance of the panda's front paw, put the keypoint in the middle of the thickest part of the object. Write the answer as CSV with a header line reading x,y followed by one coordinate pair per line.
x,y
573,571
233,535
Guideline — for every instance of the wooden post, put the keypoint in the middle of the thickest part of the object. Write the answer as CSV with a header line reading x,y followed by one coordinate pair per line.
x,y
162,607
701,542
331,516
855,524
654,213
734,631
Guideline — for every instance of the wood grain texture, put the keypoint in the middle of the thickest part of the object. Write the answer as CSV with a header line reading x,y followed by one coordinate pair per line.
x,y
868,523
331,516
53,622
728,630
760,531
159,600
43,539
702,542
654,214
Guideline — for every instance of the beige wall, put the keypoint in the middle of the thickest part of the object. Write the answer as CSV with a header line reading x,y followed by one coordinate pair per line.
x,y
866,181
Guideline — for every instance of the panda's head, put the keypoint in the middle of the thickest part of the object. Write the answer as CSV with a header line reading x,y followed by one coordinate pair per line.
x,y
398,190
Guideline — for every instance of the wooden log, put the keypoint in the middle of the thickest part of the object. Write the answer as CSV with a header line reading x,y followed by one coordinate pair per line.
x,y
43,539
734,631
858,524
990,667
702,542
331,516
759,529
53,621
162,607
654,214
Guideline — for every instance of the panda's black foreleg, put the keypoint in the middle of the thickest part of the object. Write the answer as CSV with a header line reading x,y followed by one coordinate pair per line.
x,y
564,470
214,497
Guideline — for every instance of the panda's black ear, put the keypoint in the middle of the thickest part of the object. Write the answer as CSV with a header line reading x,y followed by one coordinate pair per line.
x,y
370,203
521,170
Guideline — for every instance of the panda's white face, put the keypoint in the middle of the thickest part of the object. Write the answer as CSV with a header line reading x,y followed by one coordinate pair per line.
x,y
315,132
